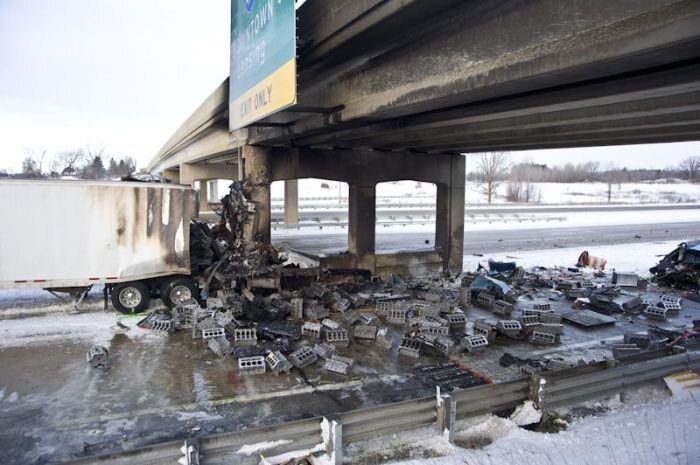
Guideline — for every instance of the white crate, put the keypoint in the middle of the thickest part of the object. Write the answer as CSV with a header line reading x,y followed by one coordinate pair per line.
x,y
324,350
303,357
213,333
245,337
410,347
539,337
278,363
251,365
474,343
337,337
310,329
336,366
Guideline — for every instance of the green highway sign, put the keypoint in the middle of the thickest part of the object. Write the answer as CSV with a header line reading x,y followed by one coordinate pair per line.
x,y
263,60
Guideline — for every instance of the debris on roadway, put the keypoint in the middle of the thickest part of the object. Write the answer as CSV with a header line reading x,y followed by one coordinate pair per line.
x,y
274,317
680,268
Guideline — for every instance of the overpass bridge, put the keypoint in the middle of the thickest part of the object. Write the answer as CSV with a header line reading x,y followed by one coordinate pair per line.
x,y
398,89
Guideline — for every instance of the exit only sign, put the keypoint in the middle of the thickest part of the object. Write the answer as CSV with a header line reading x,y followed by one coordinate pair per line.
x,y
263,60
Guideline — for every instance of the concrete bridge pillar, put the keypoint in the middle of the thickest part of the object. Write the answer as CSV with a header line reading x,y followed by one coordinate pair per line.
x,y
449,226
214,190
361,224
291,201
257,174
203,196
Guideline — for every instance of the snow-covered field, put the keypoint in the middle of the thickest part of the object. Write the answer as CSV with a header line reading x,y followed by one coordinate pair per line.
x,y
322,192
634,258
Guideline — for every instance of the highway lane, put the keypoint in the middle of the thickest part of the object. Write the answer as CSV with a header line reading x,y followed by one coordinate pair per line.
x,y
335,214
504,240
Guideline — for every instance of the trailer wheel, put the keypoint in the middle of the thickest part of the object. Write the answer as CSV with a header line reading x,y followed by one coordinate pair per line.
x,y
177,291
130,297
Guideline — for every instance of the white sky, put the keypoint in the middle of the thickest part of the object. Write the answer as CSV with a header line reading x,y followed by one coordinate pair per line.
x,y
123,75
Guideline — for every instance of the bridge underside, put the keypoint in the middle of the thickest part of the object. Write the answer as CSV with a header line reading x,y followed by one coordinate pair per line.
x,y
436,79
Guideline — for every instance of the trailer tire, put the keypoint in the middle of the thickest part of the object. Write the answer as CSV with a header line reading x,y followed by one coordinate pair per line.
x,y
132,297
178,290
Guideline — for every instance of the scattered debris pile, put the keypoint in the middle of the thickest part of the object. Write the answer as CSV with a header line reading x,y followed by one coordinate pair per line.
x,y
657,339
450,376
680,268
274,318
530,366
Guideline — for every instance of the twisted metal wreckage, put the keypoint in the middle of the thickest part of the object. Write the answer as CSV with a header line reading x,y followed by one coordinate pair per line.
x,y
222,254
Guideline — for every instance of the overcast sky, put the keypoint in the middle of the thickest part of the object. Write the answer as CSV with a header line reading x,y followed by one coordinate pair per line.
x,y
123,74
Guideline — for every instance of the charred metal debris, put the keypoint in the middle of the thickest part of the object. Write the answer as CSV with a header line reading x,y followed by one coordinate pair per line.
x,y
680,268
221,255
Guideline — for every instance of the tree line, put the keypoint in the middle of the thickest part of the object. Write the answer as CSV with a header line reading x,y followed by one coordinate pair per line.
x,y
80,163
493,168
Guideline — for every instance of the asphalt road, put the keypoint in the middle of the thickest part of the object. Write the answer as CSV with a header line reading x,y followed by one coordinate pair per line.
x,y
507,240
416,211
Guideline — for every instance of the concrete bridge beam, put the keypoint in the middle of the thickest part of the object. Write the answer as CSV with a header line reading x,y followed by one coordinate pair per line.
x,y
191,172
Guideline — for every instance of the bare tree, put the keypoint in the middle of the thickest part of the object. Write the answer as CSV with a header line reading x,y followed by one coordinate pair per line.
x,y
690,165
491,166
33,163
68,162
611,176
592,168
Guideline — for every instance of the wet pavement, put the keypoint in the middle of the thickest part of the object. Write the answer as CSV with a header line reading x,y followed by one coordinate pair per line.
x,y
55,407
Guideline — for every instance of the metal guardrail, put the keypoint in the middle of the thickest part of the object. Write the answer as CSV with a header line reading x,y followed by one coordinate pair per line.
x,y
359,425
226,448
490,398
562,388
418,221
548,390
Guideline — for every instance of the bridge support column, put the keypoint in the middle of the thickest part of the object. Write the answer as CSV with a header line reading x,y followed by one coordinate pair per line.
x,y
214,190
257,173
203,196
291,201
449,226
361,223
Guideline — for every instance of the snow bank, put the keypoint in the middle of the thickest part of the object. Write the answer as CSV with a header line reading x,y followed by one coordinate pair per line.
x,y
526,414
636,257
661,433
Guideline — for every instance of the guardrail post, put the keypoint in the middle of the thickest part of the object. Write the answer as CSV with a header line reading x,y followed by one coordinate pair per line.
x,y
537,389
446,414
190,451
333,439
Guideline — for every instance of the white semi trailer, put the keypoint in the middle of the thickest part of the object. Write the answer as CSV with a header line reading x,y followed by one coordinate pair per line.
x,y
67,236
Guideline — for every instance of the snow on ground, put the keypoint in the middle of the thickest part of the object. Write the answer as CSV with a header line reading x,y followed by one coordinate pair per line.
x,y
659,433
549,193
635,258
97,328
